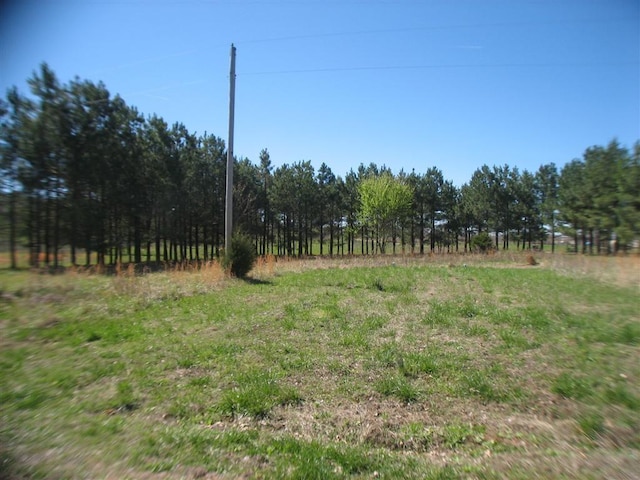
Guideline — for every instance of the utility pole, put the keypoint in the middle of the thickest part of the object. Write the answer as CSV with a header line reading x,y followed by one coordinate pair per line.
x,y
228,218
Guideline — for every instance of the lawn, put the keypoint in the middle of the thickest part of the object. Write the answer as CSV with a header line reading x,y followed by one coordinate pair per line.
x,y
443,368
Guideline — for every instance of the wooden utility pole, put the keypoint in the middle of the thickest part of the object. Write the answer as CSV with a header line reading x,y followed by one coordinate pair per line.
x,y
228,218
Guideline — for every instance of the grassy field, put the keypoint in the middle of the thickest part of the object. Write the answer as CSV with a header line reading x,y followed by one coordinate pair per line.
x,y
438,368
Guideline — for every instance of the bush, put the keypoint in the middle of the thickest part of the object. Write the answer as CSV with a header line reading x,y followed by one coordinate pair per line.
x,y
482,242
242,257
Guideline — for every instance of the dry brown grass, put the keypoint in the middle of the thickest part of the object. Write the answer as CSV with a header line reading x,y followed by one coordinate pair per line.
x,y
620,270
179,280
265,266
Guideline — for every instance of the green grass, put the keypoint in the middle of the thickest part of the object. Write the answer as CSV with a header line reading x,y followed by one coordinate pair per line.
x,y
392,371
255,394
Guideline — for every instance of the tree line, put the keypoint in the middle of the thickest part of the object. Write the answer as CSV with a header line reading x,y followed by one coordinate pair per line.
x,y
84,171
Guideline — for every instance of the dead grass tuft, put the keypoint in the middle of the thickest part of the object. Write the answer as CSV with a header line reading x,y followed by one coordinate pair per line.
x,y
212,273
177,280
265,266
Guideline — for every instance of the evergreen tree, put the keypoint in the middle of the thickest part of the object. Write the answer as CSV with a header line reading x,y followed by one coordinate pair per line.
x,y
627,209
547,191
574,200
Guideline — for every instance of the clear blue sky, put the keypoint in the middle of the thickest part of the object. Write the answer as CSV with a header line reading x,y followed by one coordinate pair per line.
x,y
410,84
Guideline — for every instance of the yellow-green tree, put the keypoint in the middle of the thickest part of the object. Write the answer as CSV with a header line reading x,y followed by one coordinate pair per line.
x,y
385,203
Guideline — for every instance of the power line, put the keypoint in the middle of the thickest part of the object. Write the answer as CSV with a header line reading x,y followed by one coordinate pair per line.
x,y
443,66
434,27
311,36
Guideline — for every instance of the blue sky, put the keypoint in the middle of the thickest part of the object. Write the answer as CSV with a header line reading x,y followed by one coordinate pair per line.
x,y
408,83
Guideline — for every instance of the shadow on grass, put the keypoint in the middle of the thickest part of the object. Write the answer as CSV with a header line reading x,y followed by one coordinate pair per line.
x,y
256,281
9,467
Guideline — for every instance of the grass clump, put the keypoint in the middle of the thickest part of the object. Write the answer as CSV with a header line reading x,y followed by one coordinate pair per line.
x,y
125,399
569,385
591,424
620,394
255,394
399,387
313,460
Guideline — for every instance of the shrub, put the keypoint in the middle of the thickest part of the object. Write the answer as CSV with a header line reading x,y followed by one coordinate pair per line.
x,y
481,242
242,257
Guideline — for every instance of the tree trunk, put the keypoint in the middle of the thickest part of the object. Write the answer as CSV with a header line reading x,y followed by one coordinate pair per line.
x,y
433,231
12,230
47,228
553,234
322,235
137,240
197,241
422,233
331,235
36,237
56,227
205,245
